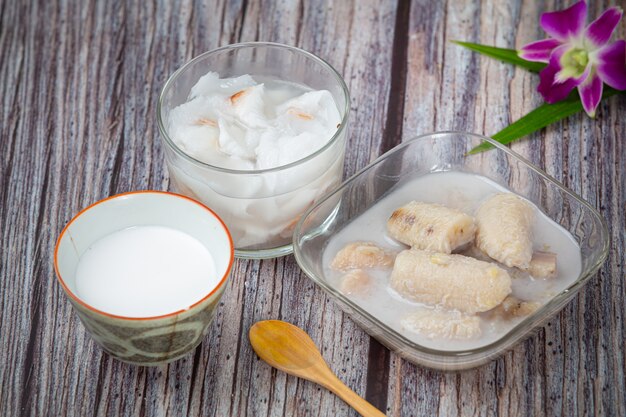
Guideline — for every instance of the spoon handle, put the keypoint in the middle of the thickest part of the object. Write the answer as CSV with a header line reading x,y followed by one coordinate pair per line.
x,y
332,383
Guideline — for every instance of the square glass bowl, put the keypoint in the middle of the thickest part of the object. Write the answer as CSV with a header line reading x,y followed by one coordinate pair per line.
x,y
448,151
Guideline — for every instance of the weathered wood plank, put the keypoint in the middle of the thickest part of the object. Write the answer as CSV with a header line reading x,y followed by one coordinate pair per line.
x,y
565,368
81,82
96,136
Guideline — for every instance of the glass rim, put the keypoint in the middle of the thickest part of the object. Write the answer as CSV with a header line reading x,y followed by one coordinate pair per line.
x,y
473,356
168,85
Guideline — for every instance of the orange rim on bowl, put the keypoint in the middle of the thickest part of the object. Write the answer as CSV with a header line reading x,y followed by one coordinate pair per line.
x,y
83,211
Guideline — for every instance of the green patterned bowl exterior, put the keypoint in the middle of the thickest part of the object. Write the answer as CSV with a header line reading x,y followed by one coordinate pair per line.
x,y
151,341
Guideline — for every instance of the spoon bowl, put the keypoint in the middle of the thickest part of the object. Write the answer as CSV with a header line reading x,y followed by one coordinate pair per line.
x,y
290,349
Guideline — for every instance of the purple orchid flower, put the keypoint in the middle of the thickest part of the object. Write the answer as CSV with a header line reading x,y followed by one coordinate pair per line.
x,y
579,56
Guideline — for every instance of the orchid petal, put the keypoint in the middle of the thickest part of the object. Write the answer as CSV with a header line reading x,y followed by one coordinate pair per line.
x,y
600,30
539,51
564,24
590,94
552,89
611,65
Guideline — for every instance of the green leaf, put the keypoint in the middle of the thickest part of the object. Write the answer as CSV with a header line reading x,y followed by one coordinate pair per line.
x,y
506,55
539,118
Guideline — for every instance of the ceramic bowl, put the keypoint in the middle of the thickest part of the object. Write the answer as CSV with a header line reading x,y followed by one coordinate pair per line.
x,y
145,340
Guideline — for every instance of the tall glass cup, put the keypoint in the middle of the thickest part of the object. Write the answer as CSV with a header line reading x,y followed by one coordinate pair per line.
x,y
260,207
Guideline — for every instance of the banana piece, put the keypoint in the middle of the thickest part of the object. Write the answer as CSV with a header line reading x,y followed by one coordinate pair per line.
x,y
355,282
431,226
452,281
543,265
513,307
439,324
362,255
504,230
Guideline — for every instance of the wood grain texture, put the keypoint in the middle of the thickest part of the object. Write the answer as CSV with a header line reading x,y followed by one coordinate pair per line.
x,y
80,82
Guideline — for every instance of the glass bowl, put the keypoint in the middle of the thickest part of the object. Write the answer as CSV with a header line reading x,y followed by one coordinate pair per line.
x,y
448,151
260,207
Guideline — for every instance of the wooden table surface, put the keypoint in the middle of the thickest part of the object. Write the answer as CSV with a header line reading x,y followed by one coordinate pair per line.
x,y
80,82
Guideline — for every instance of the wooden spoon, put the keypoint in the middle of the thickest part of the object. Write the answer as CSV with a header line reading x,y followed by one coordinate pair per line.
x,y
289,349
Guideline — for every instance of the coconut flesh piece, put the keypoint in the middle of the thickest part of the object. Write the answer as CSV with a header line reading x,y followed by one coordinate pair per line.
x,y
237,123
241,124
